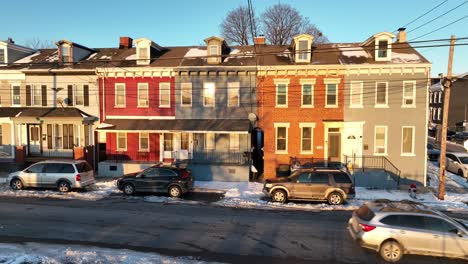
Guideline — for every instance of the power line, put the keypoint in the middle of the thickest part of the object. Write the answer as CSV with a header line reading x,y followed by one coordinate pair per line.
x,y
414,20
434,19
442,27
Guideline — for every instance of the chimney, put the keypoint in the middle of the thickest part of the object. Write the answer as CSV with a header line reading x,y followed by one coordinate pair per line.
x,y
260,40
401,36
10,40
126,43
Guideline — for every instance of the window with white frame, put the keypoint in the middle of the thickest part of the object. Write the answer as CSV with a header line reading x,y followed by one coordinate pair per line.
x,y
143,55
439,113
142,95
65,49
355,96
234,143
440,96
121,141
431,97
307,93
37,95
120,95
144,141
184,141
380,143
233,94
307,138
281,137
409,94
209,94
164,95
431,116
382,49
186,94
79,94
331,95
214,50
16,95
303,50
281,93
209,141
407,142
168,142
381,94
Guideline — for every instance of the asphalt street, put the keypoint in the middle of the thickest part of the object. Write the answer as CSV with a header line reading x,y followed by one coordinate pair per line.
x,y
207,232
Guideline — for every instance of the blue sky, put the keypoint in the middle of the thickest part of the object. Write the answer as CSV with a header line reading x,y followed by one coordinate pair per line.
x,y
99,23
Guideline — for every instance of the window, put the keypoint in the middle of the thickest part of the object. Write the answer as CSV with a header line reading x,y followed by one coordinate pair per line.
x,y
37,168
381,93
87,131
37,95
164,95
120,95
332,95
142,95
411,221
281,137
65,53
407,147
233,94
59,168
143,55
150,172
303,50
79,95
304,177
234,143
209,141
409,94
166,173
439,113
168,146
67,136
355,97
83,167
341,178
382,49
307,95
281,95
16,95
186,94
439,225
213,50
58,136
320,177
380,140
121,141
440,96
209,94
2,56
184,141
307,146
144,141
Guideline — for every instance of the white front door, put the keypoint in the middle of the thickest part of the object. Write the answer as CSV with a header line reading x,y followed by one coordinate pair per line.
x,y
168,146
352,137
34,139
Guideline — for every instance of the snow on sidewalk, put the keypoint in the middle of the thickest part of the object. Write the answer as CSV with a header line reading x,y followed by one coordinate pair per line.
x,y
35,253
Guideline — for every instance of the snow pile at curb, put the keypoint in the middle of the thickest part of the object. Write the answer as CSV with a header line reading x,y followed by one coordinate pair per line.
x,y
96,192
34,253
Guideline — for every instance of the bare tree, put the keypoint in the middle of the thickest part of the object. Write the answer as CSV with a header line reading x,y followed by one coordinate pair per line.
x,y
37,43
236,27
281,22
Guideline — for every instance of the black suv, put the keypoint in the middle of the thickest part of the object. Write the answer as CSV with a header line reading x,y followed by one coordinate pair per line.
x,y
332,185
161,179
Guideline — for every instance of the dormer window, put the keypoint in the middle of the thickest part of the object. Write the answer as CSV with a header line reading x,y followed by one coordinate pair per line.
x,y
216,47
382,49
302,48
2,55
65,50
143,55
213,51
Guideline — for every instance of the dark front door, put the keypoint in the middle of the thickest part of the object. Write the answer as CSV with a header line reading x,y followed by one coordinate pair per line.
x,y
334,146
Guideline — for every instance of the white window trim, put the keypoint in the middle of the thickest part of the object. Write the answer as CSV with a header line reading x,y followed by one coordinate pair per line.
x,y
389,49
141,61
181,95
360,94
117,141
440,97
236,148
13,94
236,86
5,54
214,57
310,82
298,51
430,97
214,141
140,149
413,105
75,92
286,125
124,95
214,94
386,141
33,95
160,90
386,96
312,126
408,154
278,82
326,96
138,95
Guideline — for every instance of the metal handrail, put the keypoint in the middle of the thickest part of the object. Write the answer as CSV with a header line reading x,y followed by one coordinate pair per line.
x,y
376,162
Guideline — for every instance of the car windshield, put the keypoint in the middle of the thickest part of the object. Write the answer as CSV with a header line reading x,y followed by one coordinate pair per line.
x,y
463,160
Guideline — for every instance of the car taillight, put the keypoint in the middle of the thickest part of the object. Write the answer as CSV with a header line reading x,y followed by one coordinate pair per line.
x,y
366,228
78,177
184,174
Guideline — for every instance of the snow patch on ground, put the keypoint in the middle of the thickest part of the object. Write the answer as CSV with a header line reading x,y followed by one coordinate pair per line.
x,y
35,253
404,57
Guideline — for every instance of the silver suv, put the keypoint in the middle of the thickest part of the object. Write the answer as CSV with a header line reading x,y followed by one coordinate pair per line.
x,y
63,175
397,228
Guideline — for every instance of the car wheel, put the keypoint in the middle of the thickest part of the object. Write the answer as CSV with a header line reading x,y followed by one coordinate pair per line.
x,y
335,198
174,191
279,196
391,251
128,189
64,186
16,184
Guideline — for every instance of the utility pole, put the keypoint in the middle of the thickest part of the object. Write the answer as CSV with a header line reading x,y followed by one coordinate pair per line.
x,y
443,141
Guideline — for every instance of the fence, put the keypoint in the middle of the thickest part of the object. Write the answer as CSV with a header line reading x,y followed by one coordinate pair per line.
x,y
220,157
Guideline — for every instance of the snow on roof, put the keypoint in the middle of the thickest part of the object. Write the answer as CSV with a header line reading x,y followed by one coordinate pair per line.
x,y
196,52
53,57
92,56
104,57
285,53
405,57
349,51
104,125
131,57
28,58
